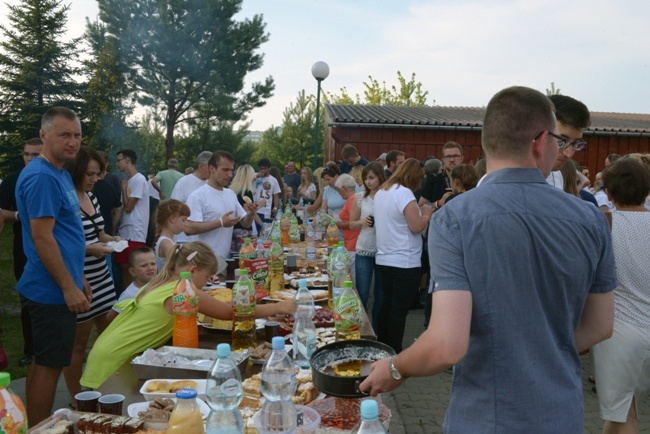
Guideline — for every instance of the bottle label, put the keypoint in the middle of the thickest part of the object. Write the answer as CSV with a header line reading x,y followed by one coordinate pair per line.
x,y
183,304
347,316
231,387
310,254
243,298
258,270
306,344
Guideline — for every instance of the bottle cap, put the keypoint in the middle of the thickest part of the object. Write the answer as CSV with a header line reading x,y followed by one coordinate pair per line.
x,y
276,240
278,342
339,249
223,350
341,244
369,409
243,272
302,283
347,284
259,241
5,379
247,240
185,274
186,394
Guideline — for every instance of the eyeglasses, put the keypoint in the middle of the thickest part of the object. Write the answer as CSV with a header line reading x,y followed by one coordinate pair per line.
x,y
31,154
452,157
564,142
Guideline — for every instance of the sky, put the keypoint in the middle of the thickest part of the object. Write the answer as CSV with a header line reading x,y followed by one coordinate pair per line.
x,y
462,51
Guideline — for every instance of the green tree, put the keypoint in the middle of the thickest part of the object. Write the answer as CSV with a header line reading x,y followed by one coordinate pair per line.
x,y
106,97
188,53
407,93
294,140
36,72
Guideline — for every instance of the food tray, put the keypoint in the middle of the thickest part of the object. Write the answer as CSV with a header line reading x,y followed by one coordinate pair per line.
x,y
148,372
312,282
149,396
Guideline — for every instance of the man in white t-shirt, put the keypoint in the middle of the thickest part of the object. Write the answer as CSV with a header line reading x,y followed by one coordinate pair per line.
x,y
215,208
188,184
135,218
266,187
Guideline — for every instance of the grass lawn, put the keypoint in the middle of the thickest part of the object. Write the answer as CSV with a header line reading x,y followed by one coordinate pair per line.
x,y
12,336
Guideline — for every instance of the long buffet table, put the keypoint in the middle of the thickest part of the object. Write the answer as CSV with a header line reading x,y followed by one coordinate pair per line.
x,y
125,382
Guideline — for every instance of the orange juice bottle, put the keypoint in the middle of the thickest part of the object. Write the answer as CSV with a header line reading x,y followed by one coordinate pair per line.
x,y
332,233
13,417
185,302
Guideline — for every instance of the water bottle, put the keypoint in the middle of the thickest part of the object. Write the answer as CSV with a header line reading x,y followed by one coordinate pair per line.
x,y
304,330
278,386
223,394
370,423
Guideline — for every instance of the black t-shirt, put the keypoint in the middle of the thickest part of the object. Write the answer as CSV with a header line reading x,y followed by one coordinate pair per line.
x,y
435,186
8,202
293,181
109,195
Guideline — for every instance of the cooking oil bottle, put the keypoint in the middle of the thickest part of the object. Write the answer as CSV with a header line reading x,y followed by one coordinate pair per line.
x,y
347,320
244,334
276,267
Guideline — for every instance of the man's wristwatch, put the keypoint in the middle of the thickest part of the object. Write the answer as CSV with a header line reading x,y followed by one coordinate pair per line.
x,y
393,370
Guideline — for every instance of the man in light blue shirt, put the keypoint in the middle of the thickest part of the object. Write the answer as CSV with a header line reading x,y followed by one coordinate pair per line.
x,y
524,277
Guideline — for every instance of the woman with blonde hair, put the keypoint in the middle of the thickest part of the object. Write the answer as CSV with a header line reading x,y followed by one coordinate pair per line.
x,y
306,189
147,321
243,186
400,223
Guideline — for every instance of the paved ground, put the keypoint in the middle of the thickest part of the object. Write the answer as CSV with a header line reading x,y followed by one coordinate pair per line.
x,y
419,406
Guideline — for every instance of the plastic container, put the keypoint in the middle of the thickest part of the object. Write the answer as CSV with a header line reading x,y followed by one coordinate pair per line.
x,y
339,270
348,320
307,421
304,330
13,417
278,374
224,393
370,423
185,303
244,331
247,251
223,387
276,266
186,417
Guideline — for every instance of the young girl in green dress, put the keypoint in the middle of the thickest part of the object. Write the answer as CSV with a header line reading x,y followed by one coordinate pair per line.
x,y
147,321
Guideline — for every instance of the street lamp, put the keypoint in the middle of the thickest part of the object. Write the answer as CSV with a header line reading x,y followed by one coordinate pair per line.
x,y
320,70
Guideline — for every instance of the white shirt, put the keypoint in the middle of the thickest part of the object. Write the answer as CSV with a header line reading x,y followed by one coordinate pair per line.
x,y
152,190
134,224
601,198
397,246
130,292
265,188
556,179
209,204
160,261
182,190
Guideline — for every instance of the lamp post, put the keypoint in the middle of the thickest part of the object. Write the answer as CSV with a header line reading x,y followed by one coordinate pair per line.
x,y
320,70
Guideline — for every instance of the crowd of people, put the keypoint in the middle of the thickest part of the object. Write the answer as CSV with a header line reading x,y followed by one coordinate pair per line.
x,y
518,276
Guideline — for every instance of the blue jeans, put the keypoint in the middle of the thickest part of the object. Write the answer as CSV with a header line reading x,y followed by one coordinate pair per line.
x,y
399,287
365,267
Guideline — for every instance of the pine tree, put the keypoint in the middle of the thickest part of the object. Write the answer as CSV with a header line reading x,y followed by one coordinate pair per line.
x,y
36,72
188,53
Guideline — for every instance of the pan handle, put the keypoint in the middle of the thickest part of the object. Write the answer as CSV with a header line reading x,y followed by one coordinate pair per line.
x,y
357,383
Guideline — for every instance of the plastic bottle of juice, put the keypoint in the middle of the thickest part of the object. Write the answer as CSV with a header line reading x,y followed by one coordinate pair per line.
x,y
294,234
247,251
186,417
259,269
340,273
13,418
285,225
332,233
347,320
244,333
185,303
276,267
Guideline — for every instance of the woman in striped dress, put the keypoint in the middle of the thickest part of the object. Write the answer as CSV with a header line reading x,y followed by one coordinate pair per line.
x,y
85,170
